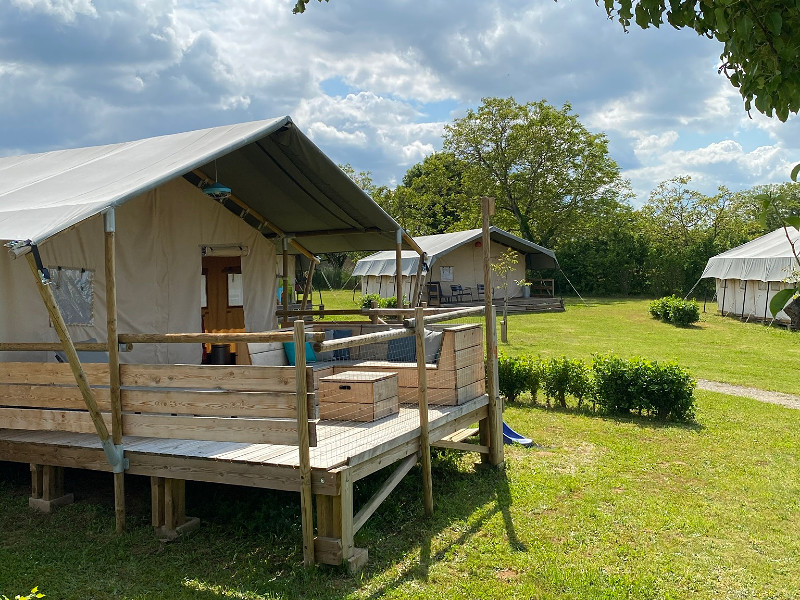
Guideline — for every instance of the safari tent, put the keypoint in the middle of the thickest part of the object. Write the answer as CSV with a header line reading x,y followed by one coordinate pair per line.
x,y
453,259
748,276
125,260
174,242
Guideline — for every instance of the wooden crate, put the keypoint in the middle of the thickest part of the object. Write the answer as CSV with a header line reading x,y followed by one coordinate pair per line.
x,y
358,396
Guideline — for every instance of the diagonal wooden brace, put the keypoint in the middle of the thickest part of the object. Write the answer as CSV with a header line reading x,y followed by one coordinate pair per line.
x,y
114,454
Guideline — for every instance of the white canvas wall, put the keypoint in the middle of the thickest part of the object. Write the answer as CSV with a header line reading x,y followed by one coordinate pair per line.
x,y
159,239
749,300
467,264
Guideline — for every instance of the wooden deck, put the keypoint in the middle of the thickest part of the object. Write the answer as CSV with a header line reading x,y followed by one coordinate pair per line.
x,y
366,446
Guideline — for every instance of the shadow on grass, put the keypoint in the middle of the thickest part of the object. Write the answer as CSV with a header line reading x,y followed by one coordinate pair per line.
x,y
586,410
249,543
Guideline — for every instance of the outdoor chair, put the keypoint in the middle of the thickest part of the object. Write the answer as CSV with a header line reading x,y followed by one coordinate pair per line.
x,y
481,291
458,293
435,295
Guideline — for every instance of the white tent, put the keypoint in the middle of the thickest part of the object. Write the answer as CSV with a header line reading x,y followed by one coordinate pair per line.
x,y
748,276
452,259
284,188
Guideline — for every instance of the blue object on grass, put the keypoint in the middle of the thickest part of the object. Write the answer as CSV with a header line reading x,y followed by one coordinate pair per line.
x,y
510,437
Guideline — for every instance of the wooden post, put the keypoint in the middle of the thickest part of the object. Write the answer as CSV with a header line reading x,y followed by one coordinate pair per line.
x,y
113,359
285,295
495,416
306,501
398,256
47,488
69,349
424,440
307,290
418,281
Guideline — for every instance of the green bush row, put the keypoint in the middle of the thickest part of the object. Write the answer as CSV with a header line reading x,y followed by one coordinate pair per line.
x,y
614,385
367,299
675,310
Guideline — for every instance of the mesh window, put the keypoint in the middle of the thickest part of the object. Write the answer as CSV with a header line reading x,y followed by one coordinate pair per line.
x,y
74,293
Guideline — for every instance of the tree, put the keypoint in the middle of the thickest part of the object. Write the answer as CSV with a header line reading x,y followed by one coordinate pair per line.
x,y
547,172
761,51
685,228
761,42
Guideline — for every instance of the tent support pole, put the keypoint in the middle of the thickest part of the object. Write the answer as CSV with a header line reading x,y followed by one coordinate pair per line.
x,y
114,454
724,291
418,281
285,294
307,290
398,256
766,304
744,298
109,222
494,420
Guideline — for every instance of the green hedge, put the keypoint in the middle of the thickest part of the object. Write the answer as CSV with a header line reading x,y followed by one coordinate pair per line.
x,y
367,299
675,310
614,385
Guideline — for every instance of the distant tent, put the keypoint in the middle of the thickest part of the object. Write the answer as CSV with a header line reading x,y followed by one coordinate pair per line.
x,y
748,276
452,259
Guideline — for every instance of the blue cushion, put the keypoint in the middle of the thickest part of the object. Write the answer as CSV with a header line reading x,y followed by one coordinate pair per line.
x,y
344,353
288,348
402,350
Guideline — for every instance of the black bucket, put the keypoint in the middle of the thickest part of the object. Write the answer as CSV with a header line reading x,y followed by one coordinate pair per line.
x,y
220,354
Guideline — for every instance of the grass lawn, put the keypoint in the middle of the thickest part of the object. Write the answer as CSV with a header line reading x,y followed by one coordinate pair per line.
x,y
604,508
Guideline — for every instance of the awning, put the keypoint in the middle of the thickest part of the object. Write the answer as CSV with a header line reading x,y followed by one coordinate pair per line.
x,y
768,258
271,167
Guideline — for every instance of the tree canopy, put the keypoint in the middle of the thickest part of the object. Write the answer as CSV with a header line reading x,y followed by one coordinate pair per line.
x,y
546,171
761,42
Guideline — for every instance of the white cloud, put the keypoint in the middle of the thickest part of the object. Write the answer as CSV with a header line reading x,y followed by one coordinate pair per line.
x,y
74,72
66,10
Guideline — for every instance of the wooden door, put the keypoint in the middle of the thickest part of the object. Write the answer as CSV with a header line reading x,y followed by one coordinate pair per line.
x,y
224,310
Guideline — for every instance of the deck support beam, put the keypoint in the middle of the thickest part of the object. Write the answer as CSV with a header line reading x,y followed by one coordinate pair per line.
x,y
334,544
47,488
493,429
306,499
424,439
169,518
110,227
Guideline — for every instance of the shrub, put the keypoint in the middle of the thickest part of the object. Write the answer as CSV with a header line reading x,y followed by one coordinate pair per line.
x,y
368,299
562,376
513,376
675,310
534,367
665,391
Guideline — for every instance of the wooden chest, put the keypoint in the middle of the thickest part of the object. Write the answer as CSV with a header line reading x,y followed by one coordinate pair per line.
x,y
358,396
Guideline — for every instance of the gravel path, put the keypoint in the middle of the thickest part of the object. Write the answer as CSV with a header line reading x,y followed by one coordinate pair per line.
x,y
788,400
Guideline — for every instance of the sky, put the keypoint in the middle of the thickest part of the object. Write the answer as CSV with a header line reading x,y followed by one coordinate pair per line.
x,y
373,83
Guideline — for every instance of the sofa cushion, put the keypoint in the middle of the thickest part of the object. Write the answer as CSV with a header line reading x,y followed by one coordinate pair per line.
x,y
288,348
402,350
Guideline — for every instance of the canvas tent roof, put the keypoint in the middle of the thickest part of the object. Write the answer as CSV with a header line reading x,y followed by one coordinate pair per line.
x,y
768,258
271,166
435,246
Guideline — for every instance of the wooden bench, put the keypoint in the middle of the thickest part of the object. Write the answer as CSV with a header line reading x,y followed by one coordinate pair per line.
x,y
456,376
248,404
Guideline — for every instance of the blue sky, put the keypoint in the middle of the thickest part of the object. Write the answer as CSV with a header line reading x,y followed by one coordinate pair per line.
x,y
373,83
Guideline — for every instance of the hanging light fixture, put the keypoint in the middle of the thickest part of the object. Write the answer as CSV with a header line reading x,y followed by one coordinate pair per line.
x,y
216,190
